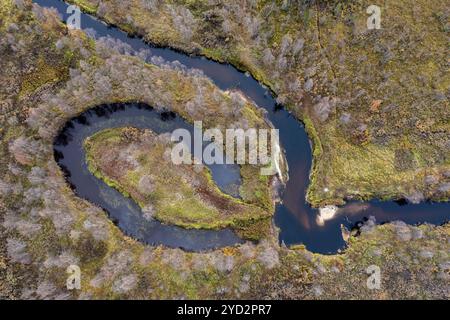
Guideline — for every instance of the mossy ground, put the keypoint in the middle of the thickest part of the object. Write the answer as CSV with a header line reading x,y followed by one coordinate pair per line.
x,y
175,194
388,87
45,227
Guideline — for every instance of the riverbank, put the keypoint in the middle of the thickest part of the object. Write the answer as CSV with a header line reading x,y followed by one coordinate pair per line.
x,y
136,163
373,109
45,227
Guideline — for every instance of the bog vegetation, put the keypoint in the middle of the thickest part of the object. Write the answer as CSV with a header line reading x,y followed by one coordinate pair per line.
x,y
49,74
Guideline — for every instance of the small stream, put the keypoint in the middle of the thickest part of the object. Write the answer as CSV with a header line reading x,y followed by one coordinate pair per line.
x,y
294,217
123,211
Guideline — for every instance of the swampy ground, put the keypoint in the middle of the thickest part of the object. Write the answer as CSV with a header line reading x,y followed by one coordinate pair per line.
x,y
137,162
373,101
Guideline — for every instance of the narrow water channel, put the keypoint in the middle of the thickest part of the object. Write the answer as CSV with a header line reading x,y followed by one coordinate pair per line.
x,y
125,213
294,217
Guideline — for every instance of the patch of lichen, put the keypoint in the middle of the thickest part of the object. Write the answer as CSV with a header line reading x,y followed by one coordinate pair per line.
x,y
89,6
5,11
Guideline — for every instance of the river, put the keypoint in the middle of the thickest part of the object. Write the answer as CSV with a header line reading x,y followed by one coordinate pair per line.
x,y
296,220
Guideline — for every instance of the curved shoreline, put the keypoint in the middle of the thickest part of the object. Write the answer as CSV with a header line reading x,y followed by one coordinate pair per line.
x,y
294,216
122,210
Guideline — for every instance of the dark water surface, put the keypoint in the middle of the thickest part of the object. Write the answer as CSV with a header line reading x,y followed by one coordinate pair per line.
x,y
123,211
295,218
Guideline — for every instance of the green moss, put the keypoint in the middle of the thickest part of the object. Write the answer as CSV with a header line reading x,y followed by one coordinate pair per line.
x,y
44,74
87,6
